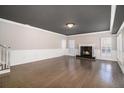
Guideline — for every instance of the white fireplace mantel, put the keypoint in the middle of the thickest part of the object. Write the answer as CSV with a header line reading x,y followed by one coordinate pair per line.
x,y
93,47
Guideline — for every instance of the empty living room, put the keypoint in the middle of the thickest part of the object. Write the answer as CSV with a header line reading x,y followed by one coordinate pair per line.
x,y
61,46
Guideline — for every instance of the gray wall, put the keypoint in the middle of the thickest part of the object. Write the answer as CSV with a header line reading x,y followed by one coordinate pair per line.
x,y
94,38
19,36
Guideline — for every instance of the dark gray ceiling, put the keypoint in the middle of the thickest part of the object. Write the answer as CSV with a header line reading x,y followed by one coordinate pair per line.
x,y
119,18
88,18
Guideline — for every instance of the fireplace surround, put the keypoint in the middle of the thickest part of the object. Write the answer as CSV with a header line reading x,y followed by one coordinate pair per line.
x,y
86,51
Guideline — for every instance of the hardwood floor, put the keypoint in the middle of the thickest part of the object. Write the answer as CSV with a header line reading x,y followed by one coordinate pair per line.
x,y
64,72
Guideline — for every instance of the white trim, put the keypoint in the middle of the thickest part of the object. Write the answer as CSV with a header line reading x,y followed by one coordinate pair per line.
x,y
4,71
101,32
120,29
120,62
28,26
113,11
93,46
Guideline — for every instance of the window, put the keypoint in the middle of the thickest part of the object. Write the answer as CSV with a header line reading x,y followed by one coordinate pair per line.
x,y
106,46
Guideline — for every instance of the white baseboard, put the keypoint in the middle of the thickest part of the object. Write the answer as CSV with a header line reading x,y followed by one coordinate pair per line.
x,y
25,56
4,71
121,66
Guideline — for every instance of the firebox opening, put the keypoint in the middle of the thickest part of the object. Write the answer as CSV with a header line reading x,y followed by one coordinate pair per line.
x,y
86,51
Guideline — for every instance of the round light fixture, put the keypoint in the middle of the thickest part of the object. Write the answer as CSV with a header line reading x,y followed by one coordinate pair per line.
x,y
70,25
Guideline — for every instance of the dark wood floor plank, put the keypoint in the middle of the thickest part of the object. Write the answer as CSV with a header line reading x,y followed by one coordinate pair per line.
x,y
64,72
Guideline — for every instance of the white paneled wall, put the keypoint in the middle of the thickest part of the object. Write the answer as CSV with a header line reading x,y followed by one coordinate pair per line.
x,y
25,56
120,46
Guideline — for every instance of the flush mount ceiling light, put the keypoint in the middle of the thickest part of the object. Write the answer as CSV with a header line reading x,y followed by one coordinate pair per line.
x,y
70,25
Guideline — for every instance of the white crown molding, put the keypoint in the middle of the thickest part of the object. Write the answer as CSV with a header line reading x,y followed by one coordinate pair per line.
x,y
113,11
120,29
28,26
101,32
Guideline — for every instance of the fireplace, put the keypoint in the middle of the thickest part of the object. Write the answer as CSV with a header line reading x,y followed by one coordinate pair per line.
x,y
86,51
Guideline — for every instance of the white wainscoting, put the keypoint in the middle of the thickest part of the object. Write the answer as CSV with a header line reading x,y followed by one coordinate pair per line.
x,y
97,54
120,45
113,56
26,56
121,64
5,71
